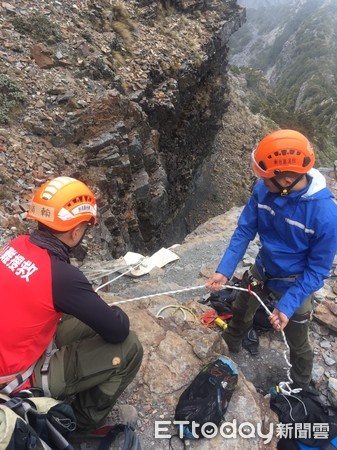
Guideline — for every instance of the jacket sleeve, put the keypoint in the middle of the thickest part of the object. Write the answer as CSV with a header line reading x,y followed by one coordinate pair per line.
x,y
243,234
74,295
323,248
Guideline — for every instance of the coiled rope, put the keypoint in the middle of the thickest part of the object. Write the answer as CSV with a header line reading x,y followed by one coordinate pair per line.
x,y
284,386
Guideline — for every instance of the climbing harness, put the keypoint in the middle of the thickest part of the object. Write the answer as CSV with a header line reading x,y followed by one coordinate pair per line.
x,y
10,383
283,386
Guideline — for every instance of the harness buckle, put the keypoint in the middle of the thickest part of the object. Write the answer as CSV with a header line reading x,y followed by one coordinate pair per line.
x,y
254,283
44,370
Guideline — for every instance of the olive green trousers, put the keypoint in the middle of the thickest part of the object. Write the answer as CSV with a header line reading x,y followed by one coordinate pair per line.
x,y
89,369
297,330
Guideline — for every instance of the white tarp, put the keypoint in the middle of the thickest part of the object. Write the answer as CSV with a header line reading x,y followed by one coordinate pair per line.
x,y
147,263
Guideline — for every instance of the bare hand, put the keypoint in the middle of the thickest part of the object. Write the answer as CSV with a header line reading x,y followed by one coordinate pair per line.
x,y
278,319
216,281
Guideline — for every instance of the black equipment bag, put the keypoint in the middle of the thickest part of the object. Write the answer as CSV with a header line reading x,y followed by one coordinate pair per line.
x,y
207,397
306,408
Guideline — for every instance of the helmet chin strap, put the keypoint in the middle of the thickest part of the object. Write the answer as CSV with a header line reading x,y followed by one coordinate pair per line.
x,y
286,190
80,241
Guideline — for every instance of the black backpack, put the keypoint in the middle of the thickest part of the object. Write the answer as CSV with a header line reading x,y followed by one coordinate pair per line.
x,y
306,408
207,397
39,423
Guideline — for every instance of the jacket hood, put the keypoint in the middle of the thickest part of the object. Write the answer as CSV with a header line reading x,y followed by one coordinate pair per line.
x,y
317,188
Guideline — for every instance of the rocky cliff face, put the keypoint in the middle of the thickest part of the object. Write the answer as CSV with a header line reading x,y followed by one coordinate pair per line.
x,y
126,96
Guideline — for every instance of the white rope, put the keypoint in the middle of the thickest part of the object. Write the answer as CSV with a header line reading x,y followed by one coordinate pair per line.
x,y
120,302
119,276
103,272
97,275
284,386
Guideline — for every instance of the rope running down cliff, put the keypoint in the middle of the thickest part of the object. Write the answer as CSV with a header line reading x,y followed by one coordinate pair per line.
x,y
284,386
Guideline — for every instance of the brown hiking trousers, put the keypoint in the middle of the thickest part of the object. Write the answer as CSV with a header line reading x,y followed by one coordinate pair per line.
x,y
297,330
91,370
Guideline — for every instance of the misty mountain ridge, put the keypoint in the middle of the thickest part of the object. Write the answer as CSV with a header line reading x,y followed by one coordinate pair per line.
x,y
294,46
257,4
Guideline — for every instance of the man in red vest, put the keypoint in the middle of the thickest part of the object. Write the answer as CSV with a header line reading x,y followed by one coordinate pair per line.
x,y
56,332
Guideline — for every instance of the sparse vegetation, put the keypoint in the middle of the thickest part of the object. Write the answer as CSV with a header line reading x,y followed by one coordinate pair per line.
x,y
121,23
235,69
170,68
216,197
6,188
122,30
203,98
118,58
11,96
39,27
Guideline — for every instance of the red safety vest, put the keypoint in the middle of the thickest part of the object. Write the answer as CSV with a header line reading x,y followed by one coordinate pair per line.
x,y
28,319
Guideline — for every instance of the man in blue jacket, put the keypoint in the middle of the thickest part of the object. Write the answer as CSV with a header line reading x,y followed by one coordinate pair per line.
x,y
295,216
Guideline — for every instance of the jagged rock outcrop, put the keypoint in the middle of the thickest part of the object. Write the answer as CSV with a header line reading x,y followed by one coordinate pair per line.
x,y
159,137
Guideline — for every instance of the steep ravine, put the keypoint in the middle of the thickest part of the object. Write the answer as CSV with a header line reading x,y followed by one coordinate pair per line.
x,y
127,96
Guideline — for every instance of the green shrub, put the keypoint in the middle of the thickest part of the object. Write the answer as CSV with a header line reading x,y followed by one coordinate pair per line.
x,y
11,96
39,27
235,69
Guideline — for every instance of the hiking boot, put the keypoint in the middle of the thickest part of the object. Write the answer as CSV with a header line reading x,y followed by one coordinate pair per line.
x,y
119,414
232,347
251,342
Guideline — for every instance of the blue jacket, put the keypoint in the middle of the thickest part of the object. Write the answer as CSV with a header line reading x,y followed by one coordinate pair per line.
x,y
298,235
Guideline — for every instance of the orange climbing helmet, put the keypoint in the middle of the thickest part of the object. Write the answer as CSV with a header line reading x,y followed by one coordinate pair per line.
x,y
280,151
63,203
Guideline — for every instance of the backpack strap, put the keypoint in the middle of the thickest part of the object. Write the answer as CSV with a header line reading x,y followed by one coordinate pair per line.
x,y
59,441
45,368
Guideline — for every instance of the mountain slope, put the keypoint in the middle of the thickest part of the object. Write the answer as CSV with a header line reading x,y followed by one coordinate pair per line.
x,y
294,45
